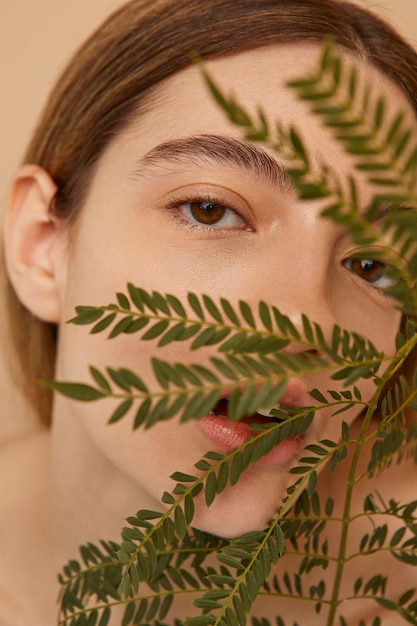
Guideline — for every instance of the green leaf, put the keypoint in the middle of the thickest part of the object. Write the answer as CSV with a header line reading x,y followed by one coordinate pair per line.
x,y
86,315
224,369
411,163
77,391
265,315
165,606
406,597
176,305
103,324
120,411
316,449
160,303
379,112
180,523
92,619
204,338
105,617
188,509
123,301
229,311
210,488
100,379
246,313
317,395
236,469
297,142
153,609
308,331
136,325
202,620
123,557
135,296
397,537
175,333
386,604
119,378
402,143
132,380
194,406
182,477
345,432
158,412
195,305
142,413
141,612
212,309
312,483
156,330
121,326
128,614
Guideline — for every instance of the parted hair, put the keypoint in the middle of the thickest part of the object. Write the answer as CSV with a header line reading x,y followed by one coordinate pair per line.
x,y
108,82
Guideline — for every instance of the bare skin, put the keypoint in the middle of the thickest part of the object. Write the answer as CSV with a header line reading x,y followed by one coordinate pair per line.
x,y
136,225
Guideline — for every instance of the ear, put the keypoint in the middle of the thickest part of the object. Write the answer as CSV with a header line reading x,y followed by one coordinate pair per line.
x,y
33,243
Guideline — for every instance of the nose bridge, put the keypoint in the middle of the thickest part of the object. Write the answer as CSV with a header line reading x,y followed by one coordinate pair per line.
x,y
299,281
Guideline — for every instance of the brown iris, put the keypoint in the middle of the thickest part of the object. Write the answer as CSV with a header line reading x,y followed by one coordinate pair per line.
x,y
368,269
207,213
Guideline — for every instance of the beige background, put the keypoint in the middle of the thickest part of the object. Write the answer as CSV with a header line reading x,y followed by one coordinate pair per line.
x,y
36,39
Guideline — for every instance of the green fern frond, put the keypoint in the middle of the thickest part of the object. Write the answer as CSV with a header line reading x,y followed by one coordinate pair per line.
x,y
159,555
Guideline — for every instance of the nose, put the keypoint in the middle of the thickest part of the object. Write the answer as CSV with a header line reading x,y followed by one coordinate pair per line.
x,y
297,280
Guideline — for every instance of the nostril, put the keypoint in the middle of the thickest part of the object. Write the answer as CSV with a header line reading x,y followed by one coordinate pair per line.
x,y
298,357
307,354
311,352
315,356
314,353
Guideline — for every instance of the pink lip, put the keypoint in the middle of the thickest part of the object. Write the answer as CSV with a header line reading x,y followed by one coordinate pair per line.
x,y
227,435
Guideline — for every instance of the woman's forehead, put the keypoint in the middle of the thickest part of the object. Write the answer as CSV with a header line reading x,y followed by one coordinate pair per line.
x,y
257,78
182,108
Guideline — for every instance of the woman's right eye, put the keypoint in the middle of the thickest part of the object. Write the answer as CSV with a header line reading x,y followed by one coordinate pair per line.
x,y
371,271
210,214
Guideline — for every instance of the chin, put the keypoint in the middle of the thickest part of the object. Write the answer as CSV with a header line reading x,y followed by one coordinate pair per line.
x,y
230,517
230,528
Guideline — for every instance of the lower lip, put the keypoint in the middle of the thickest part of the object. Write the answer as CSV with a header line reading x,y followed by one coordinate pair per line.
x,y
227,435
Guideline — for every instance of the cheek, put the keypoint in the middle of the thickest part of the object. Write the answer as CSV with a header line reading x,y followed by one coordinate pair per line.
x,y
372,316
382,332
136,453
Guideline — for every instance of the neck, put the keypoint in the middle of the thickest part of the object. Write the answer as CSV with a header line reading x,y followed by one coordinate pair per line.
x,y
91,496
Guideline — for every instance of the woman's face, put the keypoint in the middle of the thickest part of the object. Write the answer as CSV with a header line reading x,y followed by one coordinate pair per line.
x,y
149,219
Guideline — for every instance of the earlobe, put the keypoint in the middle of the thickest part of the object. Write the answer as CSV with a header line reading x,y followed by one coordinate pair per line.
x,y
31,242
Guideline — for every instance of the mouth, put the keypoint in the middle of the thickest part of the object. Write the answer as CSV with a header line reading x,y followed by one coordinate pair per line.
x,y
267,415
227,434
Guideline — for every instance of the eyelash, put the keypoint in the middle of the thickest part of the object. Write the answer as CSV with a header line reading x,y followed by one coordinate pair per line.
x,y
176,203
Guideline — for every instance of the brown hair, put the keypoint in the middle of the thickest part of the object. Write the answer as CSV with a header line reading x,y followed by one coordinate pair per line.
x,y
140,45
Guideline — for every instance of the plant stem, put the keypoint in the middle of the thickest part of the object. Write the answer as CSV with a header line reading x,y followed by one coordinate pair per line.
x,y
388,375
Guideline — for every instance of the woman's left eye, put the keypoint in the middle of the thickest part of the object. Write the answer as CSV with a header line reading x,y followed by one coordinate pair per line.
x,y
211,214
371,270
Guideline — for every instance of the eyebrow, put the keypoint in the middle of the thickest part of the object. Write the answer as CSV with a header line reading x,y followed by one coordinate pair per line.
x,y
384,208
207,149
201,150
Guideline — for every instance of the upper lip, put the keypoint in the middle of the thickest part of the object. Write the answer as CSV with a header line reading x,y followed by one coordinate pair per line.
x,y
294,396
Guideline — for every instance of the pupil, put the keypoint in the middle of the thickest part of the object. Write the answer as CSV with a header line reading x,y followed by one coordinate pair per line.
x,y
367,265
